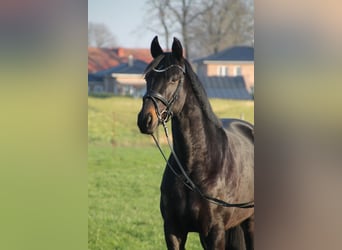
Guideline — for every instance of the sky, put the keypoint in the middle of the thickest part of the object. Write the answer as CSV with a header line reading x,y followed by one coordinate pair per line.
x,y
125,20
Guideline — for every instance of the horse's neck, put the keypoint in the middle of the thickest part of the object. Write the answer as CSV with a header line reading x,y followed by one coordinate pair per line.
x,y
193,133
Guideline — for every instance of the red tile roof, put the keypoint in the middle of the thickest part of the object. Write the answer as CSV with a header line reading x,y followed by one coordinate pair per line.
x,y
104,58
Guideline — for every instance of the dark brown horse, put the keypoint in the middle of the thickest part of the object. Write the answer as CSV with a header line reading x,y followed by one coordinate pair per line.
x,y
209,179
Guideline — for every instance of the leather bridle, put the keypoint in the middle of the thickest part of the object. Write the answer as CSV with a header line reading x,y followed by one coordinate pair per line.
x,y
164,115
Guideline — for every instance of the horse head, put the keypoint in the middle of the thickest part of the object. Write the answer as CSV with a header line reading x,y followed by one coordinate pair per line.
x,y
165,89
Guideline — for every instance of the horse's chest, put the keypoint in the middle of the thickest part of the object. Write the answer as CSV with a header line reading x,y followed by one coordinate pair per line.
x,y
184,205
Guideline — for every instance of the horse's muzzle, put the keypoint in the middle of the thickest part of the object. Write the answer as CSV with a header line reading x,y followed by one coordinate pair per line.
x,y
147,119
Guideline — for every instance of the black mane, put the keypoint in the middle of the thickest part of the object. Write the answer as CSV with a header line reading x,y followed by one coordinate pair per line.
x,y
201,95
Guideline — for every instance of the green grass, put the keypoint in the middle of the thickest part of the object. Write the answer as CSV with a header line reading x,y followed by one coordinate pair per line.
x,y
124,174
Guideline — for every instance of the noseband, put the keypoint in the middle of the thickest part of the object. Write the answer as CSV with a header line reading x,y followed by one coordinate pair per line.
x,y
164,115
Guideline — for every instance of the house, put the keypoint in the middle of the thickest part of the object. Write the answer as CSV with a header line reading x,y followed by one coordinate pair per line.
x,y
95,83
124,79
227,74
104,58
233,61
129,78
117,70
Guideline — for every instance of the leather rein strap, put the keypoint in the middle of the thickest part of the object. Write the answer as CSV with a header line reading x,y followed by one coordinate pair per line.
x,y
189,183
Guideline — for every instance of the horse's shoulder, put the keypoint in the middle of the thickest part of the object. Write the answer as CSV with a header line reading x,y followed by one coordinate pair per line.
x,y
238,126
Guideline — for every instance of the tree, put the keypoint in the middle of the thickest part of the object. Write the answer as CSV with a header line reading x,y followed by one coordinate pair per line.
x,y
161,25
204,26
185,12
99,35
166,17
225,23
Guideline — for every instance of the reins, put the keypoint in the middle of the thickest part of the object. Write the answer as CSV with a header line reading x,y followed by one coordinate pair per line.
x,y
188,182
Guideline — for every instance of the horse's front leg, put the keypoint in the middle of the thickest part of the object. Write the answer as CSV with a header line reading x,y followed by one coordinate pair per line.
x,y
175,239
235,239
248,228
214,239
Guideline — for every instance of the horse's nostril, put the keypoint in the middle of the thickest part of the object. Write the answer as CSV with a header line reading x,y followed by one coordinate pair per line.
x,y
149,120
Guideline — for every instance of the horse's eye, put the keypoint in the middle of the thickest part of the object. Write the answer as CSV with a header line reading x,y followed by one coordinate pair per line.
x,y
173,80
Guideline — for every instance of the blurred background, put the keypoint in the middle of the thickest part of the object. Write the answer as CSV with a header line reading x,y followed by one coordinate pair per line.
x,y
47,144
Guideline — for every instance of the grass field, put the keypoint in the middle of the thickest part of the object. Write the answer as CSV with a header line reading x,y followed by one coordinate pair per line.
x,y
124,174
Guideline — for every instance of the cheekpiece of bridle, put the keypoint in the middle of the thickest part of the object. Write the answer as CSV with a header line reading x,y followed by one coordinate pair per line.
x,y
164,115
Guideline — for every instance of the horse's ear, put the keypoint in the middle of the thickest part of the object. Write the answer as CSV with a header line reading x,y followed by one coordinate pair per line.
x,y
177,49
156,50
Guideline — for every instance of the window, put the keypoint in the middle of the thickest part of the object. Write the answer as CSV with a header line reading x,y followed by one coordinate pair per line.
x,y
237,71
222,70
